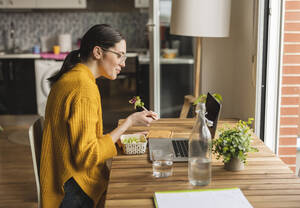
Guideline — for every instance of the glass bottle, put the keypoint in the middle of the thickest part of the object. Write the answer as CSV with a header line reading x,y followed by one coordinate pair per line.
x,y
200,147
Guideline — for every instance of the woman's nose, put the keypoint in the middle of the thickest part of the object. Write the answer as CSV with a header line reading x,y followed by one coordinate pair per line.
x,y
122,64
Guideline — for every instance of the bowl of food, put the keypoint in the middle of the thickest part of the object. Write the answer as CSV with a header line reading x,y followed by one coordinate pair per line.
x,y
134,144
169,53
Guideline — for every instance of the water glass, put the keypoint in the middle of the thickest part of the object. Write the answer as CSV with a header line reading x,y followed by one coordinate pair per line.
x,y
162,163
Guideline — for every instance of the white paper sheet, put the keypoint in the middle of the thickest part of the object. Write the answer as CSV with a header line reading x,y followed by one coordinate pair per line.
x,y
228,198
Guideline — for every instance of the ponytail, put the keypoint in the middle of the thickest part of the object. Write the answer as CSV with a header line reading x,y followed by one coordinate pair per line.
x,y
70,62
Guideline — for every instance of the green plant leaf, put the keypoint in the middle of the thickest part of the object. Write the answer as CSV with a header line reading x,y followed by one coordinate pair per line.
x,y
218,97
202,98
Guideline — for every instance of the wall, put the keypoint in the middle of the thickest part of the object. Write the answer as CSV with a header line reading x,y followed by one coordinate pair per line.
x,y
30,26
227,64
289,106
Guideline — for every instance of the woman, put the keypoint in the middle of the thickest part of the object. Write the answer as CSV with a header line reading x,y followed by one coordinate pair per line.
x,y
74,150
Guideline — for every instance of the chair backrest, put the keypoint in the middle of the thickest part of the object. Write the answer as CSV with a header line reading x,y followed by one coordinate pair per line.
x,y
35,138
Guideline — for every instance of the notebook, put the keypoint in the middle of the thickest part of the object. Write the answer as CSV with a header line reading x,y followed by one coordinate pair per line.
x,y
179,146
208,198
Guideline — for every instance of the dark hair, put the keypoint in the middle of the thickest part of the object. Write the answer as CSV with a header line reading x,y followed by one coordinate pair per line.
x,y
102,35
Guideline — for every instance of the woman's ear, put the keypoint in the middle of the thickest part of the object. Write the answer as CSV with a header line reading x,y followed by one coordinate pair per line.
x,y
97,52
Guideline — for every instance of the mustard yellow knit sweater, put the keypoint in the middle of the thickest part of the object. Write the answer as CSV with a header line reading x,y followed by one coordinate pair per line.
x,y
73,141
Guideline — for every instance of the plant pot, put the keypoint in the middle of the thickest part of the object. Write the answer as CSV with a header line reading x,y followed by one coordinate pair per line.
x,y
235,164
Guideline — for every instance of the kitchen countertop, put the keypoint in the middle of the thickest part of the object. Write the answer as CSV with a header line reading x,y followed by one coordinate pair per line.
x,y
38,56
20,56
143,59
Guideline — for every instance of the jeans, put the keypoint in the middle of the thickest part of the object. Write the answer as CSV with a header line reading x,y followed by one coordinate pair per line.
x,y
75,196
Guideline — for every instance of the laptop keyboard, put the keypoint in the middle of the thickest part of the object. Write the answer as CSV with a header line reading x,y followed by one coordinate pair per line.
x,y
181,147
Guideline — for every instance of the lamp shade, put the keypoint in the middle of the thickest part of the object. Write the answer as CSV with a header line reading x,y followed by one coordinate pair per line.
x,y
200,18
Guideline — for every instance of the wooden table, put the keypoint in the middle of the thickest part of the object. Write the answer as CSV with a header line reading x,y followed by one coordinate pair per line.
x,y
266,180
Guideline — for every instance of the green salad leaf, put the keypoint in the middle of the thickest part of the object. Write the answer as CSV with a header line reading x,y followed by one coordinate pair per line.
x,y
133,140
136,100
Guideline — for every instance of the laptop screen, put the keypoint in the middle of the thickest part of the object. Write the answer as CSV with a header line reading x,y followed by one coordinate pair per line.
x,y
213,108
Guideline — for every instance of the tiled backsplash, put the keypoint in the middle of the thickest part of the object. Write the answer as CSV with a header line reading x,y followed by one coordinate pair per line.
x,y
30,26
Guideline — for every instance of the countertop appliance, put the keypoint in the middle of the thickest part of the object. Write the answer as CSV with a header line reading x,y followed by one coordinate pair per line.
x,y
43,70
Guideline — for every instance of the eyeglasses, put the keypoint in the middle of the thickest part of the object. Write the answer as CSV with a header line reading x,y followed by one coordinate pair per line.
x,y
121,57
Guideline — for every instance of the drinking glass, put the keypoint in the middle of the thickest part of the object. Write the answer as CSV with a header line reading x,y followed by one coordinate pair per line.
x,y
162,163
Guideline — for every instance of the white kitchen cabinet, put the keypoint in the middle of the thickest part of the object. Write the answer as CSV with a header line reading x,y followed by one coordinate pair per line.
x,y
61,4
17,4
43,4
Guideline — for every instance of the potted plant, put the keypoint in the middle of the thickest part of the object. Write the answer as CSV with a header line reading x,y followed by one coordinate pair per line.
x,y
233,144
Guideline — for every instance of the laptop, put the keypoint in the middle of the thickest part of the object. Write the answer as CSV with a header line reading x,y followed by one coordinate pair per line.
x,y
179,146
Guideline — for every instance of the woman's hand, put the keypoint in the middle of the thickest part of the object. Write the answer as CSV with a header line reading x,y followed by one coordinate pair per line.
x,y
138,118
142,118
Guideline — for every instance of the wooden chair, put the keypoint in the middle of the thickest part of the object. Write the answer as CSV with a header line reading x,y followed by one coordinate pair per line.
x,y
35,138
188,102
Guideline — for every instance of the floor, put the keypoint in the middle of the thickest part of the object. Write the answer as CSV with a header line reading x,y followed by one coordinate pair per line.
x,y
17,184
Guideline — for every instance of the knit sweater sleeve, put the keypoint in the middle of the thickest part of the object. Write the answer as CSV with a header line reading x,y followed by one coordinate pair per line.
x,y
87,148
